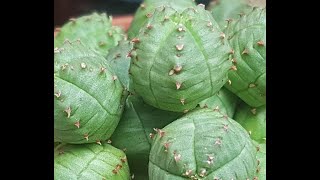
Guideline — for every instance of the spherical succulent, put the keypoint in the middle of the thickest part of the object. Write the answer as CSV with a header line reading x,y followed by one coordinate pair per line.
x,y
136,128
147,8
247,37
253,120
94,30
88,97
179,59
90,161
223,101
203,144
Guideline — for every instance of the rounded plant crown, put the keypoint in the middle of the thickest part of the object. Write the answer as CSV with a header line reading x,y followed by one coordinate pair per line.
x,y
203,144
253,120
179,59
90,161
94,30
88,97
136,129
147,8
247,37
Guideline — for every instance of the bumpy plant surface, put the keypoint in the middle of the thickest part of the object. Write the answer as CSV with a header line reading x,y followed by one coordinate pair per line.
x,y
88,97
147,8
226,10
253,120
135,132
94,31
247,37
223,101
203,144
179,59
261,171
90,161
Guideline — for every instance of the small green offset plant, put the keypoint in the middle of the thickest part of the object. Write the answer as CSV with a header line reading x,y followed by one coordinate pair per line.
x,y
179,59
203,144
88,97
94,31
90,161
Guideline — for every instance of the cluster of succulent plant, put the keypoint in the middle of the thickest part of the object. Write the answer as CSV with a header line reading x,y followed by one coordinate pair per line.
x,y
181,95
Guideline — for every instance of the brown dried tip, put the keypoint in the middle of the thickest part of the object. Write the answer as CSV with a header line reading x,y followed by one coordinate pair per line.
x,y
58,94
228,20
56,50
179,47
86,136
166,17
180,29
178,85
232,51
225,127
77,124
255,178
114,77
98,142
209,24
218,142
135,40
186,110
83,65
188,172
124,159
252,85
260,43
103,69
254,111
234,68
171,72
182,101
166,146
216,108
109,141
149,26
202,172
143,6
245,51
222,35
177,157
177,68
149,15
68,111
151,135
102,43
233,60
110,33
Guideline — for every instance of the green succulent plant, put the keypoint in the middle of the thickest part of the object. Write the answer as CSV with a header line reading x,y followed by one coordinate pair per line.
x,y
203,144
90,161
253,120
94,30
247,37
147,8
223,101
135,130
179,59
88,97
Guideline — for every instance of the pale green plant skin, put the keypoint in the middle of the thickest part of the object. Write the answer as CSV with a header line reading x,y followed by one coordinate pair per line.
x,y
247,36
253,120
174,65
261,171
94,30
223,101
147,8
135,130
88,96
203,144
90,161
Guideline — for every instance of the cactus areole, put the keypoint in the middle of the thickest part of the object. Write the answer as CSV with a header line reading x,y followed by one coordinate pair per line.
x,y
180,61
88,97
203,144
